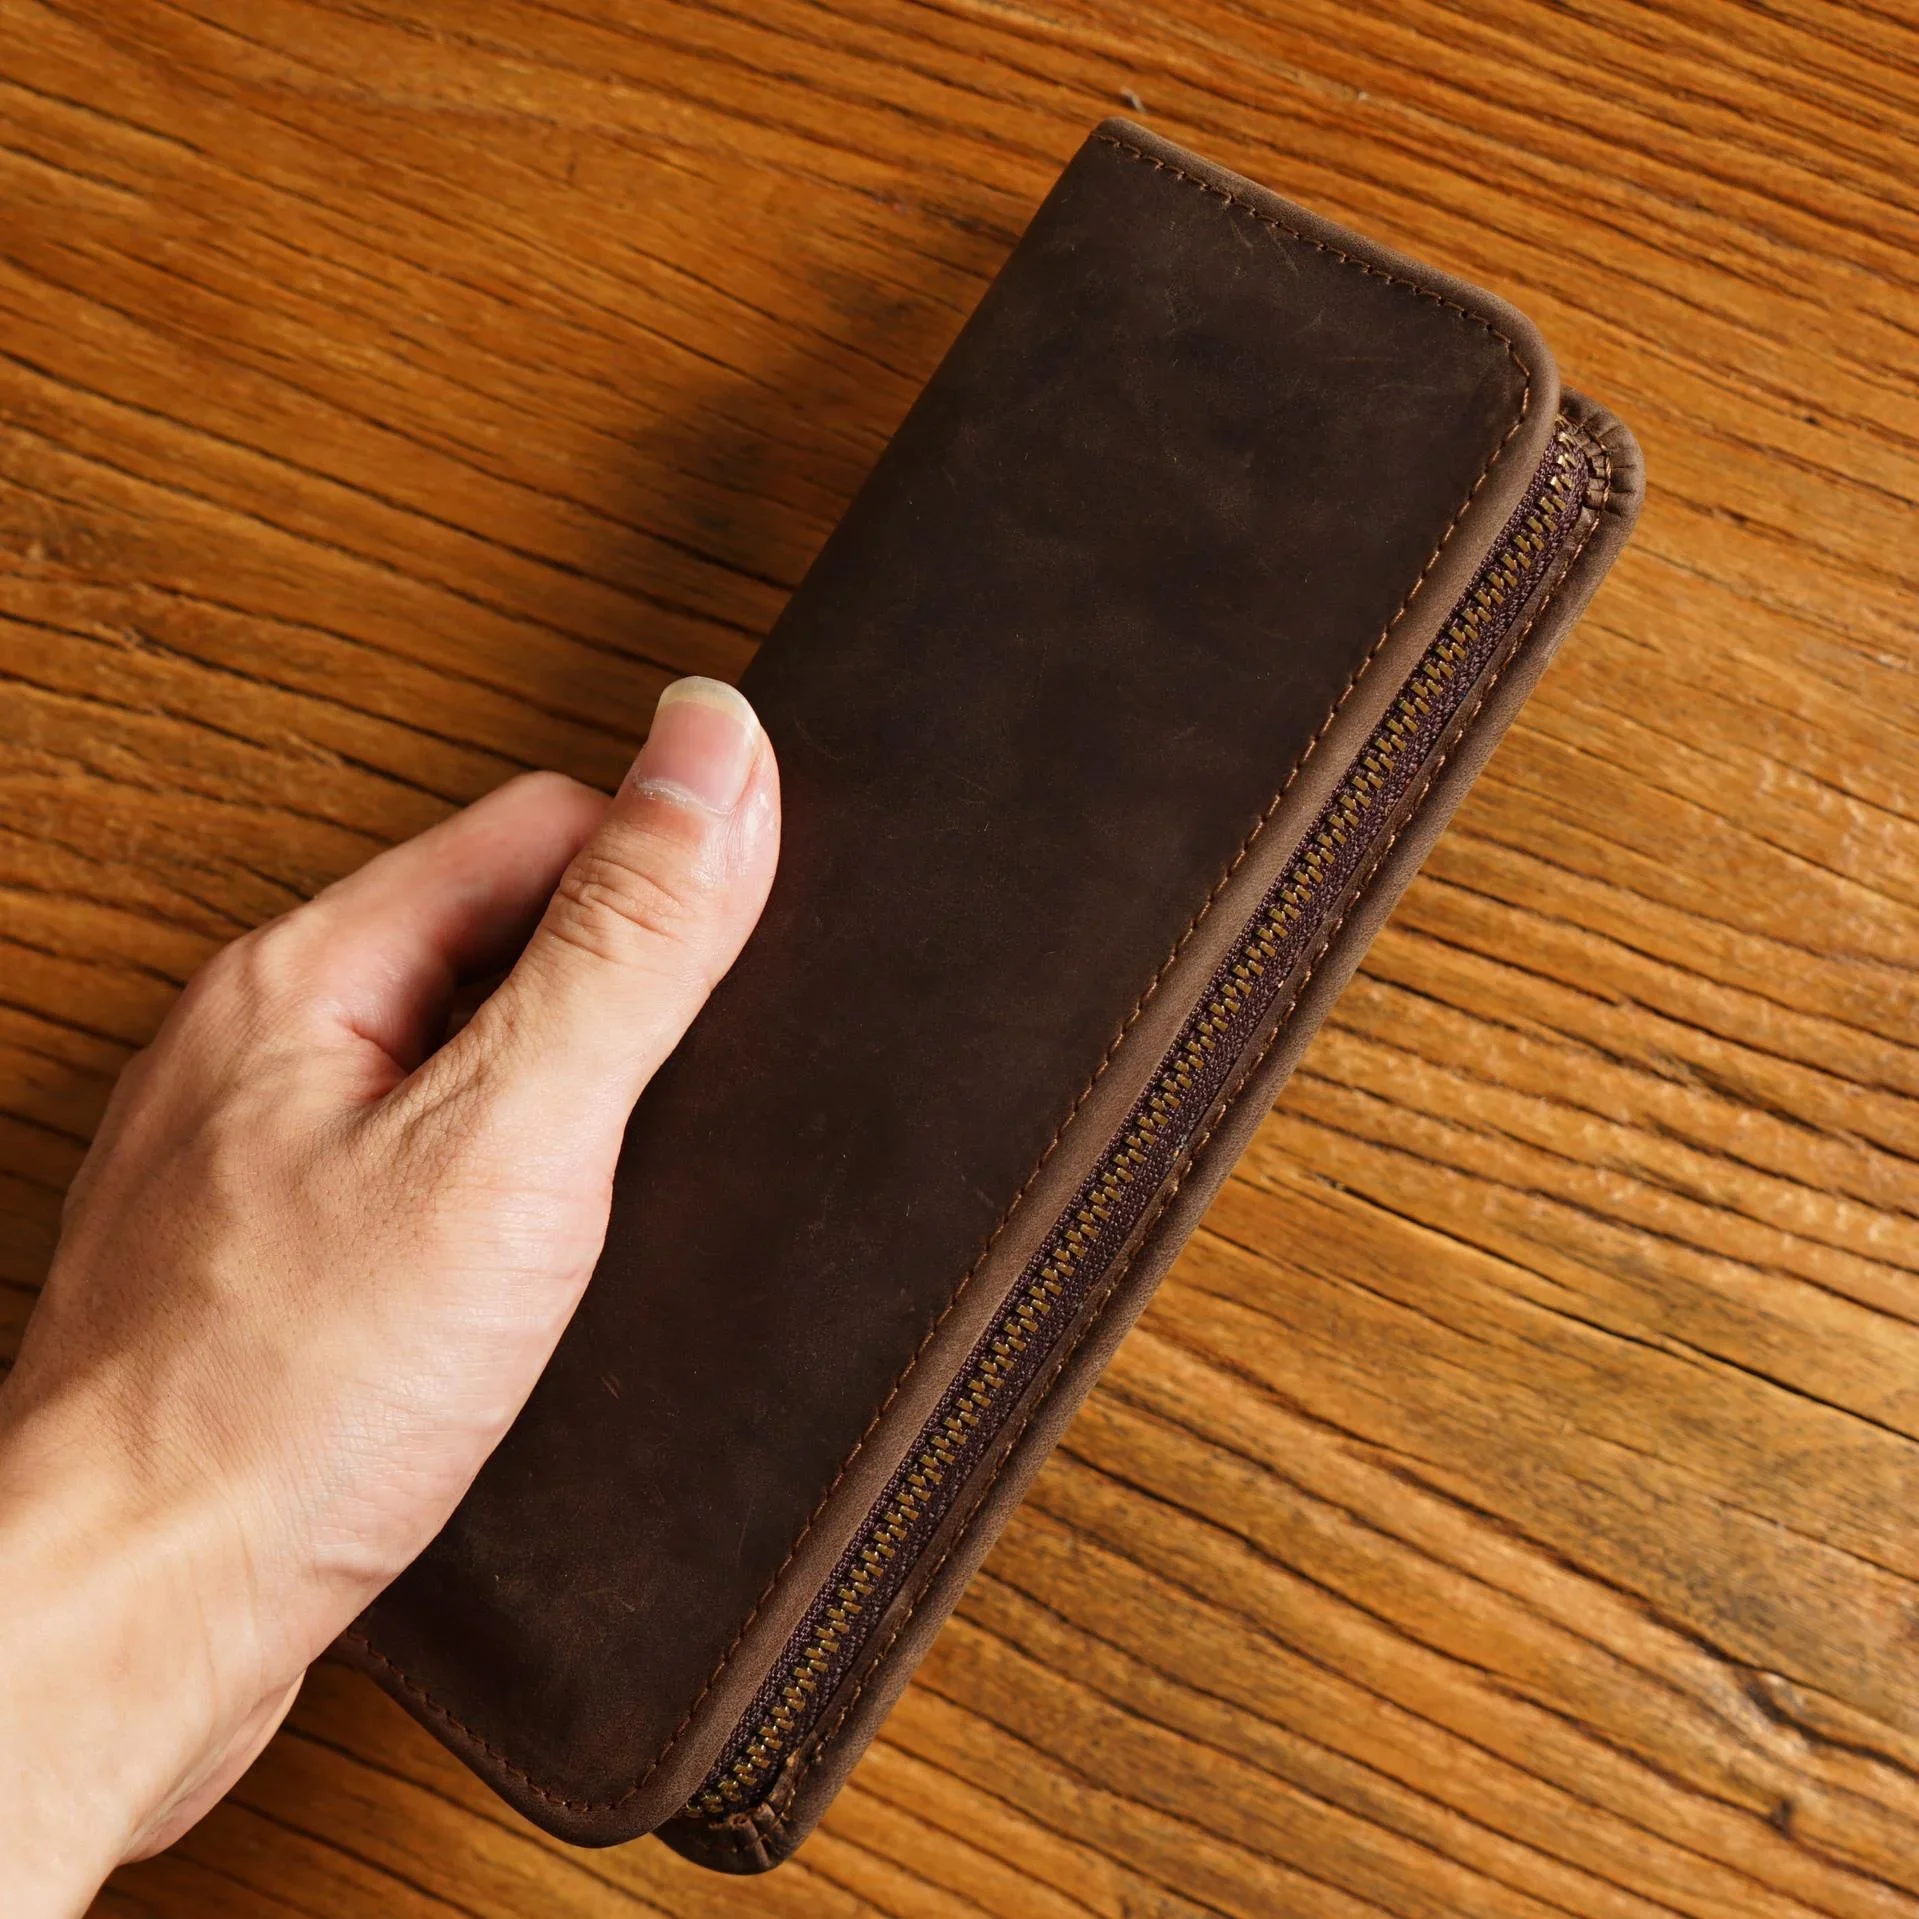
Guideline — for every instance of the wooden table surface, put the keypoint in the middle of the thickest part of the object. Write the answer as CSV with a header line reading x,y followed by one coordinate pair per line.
x,y
1511,1505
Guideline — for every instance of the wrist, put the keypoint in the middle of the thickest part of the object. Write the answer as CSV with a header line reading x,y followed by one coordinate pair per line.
x,y
129,1647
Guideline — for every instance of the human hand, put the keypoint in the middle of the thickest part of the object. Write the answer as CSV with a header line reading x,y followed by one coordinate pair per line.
x,y
315,1261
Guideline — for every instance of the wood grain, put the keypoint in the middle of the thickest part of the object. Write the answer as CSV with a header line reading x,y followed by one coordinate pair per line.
x,y
1508,1508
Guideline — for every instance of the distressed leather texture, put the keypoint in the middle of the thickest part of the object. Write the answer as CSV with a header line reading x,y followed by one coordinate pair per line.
x,y
1194,485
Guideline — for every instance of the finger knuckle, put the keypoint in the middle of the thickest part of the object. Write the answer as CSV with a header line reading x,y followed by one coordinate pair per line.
x,y
258,968
544,784
618,901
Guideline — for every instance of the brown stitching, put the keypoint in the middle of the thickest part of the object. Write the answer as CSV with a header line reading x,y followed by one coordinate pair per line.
x,y
1228,1099
1260,214
418,1691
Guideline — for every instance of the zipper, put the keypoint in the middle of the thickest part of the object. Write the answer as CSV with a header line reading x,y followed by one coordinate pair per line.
x,y
1090,1236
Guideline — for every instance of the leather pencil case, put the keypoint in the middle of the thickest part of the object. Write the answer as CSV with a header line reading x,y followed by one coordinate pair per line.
x,y
1164,637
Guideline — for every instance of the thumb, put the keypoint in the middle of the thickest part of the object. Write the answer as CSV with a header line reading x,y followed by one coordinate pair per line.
x,y
646,918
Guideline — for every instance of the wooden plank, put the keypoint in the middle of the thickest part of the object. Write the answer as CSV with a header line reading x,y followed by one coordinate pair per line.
x,y
1506,1508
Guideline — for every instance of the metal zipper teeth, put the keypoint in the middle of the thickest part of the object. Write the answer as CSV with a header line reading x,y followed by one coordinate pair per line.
x,y
1085,1242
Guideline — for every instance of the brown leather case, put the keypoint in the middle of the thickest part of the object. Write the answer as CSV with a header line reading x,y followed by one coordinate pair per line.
x,y
1164,638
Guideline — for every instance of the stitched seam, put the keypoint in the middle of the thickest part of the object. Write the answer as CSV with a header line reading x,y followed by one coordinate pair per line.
x,y
443,1714
1228,1100
1367,267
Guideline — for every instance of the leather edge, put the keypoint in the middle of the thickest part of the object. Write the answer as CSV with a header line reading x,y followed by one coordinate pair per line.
x,y
1507,322
775,1830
